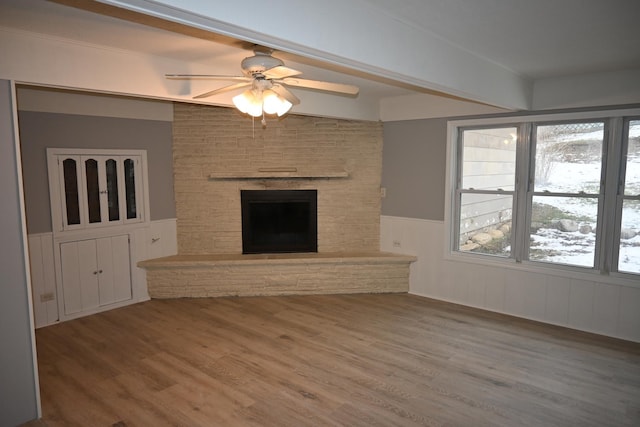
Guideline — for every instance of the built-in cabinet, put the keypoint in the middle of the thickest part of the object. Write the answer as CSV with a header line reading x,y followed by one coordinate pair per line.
x,y
96,189
95,273
157,240
99,204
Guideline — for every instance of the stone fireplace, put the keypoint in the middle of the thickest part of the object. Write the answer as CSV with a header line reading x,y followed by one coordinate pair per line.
x,y
219,156
216,155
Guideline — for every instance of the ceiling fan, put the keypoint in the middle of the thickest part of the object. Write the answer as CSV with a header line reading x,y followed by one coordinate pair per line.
x,y
267,79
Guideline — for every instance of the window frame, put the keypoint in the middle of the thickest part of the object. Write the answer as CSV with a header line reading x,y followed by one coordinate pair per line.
x,y
459,191
531,191
608,228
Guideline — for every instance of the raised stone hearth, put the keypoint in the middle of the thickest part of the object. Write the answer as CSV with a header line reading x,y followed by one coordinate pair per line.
x,y
276,274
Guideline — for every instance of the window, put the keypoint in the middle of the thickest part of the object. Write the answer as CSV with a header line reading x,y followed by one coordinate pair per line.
x,y
559,190
486,189
565,192
94,188
629,201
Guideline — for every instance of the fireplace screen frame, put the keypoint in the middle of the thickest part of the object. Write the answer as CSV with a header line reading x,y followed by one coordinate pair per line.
x,y
251,242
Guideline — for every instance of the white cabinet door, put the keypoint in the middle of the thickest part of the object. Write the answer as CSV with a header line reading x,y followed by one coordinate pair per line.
x,y
114,275
106,189
95,273
79,276
122,269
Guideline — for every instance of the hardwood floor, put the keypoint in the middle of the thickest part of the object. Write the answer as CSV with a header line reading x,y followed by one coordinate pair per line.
x,y
353,360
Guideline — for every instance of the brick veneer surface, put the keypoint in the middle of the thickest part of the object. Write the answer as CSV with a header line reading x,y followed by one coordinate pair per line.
x,y
216,139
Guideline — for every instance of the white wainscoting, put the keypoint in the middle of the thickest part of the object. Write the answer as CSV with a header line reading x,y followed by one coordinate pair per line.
x,y
595,306
157,240
43,279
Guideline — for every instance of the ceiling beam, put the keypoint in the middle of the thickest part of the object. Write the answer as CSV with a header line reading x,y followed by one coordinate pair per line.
x,y
354,35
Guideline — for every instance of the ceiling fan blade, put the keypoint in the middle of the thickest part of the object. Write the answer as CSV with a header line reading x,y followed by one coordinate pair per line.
x,y
207,76
222,90
285,93
324,86
280,72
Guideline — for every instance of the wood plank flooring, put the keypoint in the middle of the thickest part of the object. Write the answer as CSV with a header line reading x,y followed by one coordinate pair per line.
x,y
348,360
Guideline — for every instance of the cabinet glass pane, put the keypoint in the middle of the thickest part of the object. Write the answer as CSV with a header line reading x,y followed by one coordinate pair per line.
x,y
71,191
93,190
130,188
112,190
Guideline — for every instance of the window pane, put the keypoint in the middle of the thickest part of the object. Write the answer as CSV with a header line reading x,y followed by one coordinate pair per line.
x,y
130,188
632,178
485,224
489,159
71,196
563,230
569,157
93,190
629,257
112,190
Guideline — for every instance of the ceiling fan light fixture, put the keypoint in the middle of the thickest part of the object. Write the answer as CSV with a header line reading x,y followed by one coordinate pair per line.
x,y
268,78
272,103
249,102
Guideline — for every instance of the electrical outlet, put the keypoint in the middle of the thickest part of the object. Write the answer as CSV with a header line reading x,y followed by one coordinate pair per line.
x,y
47,297
383,192
397,243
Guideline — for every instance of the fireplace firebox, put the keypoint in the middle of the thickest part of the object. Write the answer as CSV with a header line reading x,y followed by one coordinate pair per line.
x,y
279,221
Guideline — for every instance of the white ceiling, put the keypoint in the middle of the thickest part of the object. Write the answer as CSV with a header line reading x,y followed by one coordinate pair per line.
x,y
534,40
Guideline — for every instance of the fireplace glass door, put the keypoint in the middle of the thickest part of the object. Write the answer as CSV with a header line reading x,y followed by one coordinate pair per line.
x,y
279,221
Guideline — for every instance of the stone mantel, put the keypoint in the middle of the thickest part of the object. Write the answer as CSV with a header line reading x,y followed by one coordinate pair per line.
x,y
279,173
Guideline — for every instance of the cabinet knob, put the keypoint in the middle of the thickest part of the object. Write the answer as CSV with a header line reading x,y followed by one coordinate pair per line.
x,y
100,271
95,272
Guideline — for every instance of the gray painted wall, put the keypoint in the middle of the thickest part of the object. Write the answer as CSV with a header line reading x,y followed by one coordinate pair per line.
x,y
18,395
414,167
39,131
